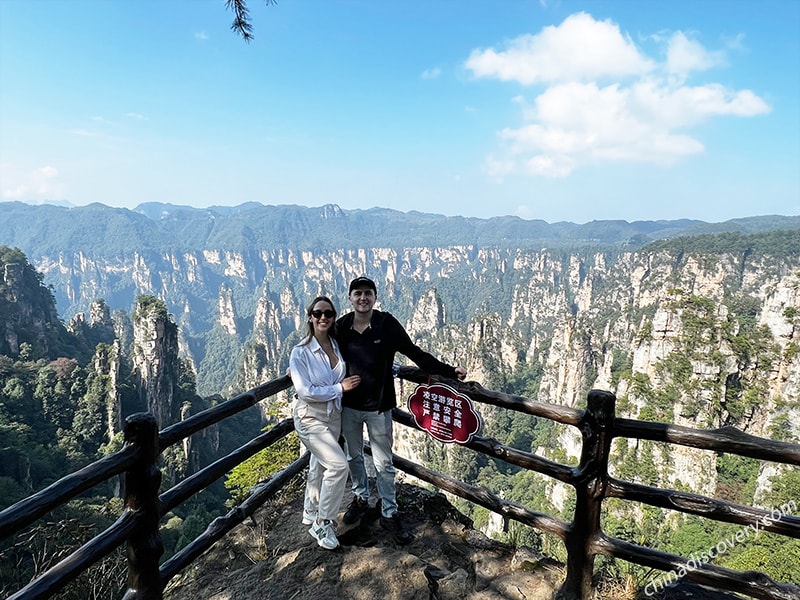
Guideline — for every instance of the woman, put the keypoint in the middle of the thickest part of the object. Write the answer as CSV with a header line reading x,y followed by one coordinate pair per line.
x,y
319,377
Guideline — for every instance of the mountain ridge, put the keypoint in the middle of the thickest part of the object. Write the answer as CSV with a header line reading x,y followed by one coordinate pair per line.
x,y
158,226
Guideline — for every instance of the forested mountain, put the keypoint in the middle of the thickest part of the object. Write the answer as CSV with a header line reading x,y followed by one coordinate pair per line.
x,y
64,391
686,322
235,276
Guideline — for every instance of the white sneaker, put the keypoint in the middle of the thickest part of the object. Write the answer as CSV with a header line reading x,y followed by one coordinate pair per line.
x,y
322,531
309,517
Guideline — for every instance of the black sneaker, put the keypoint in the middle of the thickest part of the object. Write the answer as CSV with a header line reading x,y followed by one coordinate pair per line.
x,y
357,509
394,525
373,514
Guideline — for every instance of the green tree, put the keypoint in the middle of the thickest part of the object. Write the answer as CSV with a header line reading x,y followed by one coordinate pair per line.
x,y
260,467
785,489
52,392
692,536
774,555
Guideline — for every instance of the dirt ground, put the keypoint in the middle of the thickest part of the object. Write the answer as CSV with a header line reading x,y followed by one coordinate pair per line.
x,y
273,557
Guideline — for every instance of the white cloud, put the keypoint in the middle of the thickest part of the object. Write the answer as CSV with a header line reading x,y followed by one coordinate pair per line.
x,y
39,184
525,212
685,56
685,106
578,49
136,116
434,73
498,168
201,35
599,98
549,166
735,43
47,172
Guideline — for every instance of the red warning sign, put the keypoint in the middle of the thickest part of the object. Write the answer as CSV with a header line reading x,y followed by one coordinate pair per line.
x,y
444,413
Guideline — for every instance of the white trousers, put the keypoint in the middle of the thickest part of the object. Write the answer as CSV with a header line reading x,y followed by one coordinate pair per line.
x,y
327,469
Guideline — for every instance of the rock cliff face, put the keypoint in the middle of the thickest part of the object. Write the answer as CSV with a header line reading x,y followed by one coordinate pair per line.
x,y
572,312
697,338
155,361
26,311
107,363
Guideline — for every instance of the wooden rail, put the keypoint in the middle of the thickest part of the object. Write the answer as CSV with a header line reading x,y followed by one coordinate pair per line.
x,y
138,525
585,538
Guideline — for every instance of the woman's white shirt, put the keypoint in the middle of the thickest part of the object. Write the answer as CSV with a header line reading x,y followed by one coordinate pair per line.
x,y
313,378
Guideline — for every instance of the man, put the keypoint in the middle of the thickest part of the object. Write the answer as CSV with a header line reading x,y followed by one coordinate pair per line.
x,y
369,340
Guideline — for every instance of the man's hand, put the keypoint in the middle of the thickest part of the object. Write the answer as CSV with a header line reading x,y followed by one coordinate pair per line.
x,y
349,383
461,373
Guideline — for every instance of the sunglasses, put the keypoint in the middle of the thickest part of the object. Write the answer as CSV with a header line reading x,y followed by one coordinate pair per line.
x,y
328,314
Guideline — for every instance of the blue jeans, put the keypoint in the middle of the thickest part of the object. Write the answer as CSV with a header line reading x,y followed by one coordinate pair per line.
x,y
379,429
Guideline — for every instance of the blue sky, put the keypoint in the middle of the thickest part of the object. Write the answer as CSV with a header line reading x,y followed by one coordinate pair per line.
x,y
555,110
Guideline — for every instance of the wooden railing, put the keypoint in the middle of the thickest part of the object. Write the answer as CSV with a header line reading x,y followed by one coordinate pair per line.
x,y
584,539
138,525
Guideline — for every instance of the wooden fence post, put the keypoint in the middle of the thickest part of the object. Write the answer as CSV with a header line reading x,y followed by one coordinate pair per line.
x,y
142,482
591,480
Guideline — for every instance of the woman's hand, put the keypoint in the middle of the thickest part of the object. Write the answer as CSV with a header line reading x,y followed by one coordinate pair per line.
x,y
349,383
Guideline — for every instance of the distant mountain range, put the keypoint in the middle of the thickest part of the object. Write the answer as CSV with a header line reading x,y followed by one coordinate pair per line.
x,y
48,229
238,276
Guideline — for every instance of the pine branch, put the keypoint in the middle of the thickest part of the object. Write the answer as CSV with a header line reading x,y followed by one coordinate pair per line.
x,y
241,22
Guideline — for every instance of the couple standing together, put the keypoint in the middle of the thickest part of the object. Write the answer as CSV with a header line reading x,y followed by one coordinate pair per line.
x,y
342,373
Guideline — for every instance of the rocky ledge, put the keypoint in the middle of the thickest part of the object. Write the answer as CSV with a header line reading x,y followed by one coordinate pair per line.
x,y
273,557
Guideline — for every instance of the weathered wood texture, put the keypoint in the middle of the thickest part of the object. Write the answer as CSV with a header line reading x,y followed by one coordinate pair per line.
x,y
58,576
752,583
483,497
208,475
554,412
129,460
142,481
590,483
724,439
18,516
598,427
491,447
222,525
703,506
174,433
